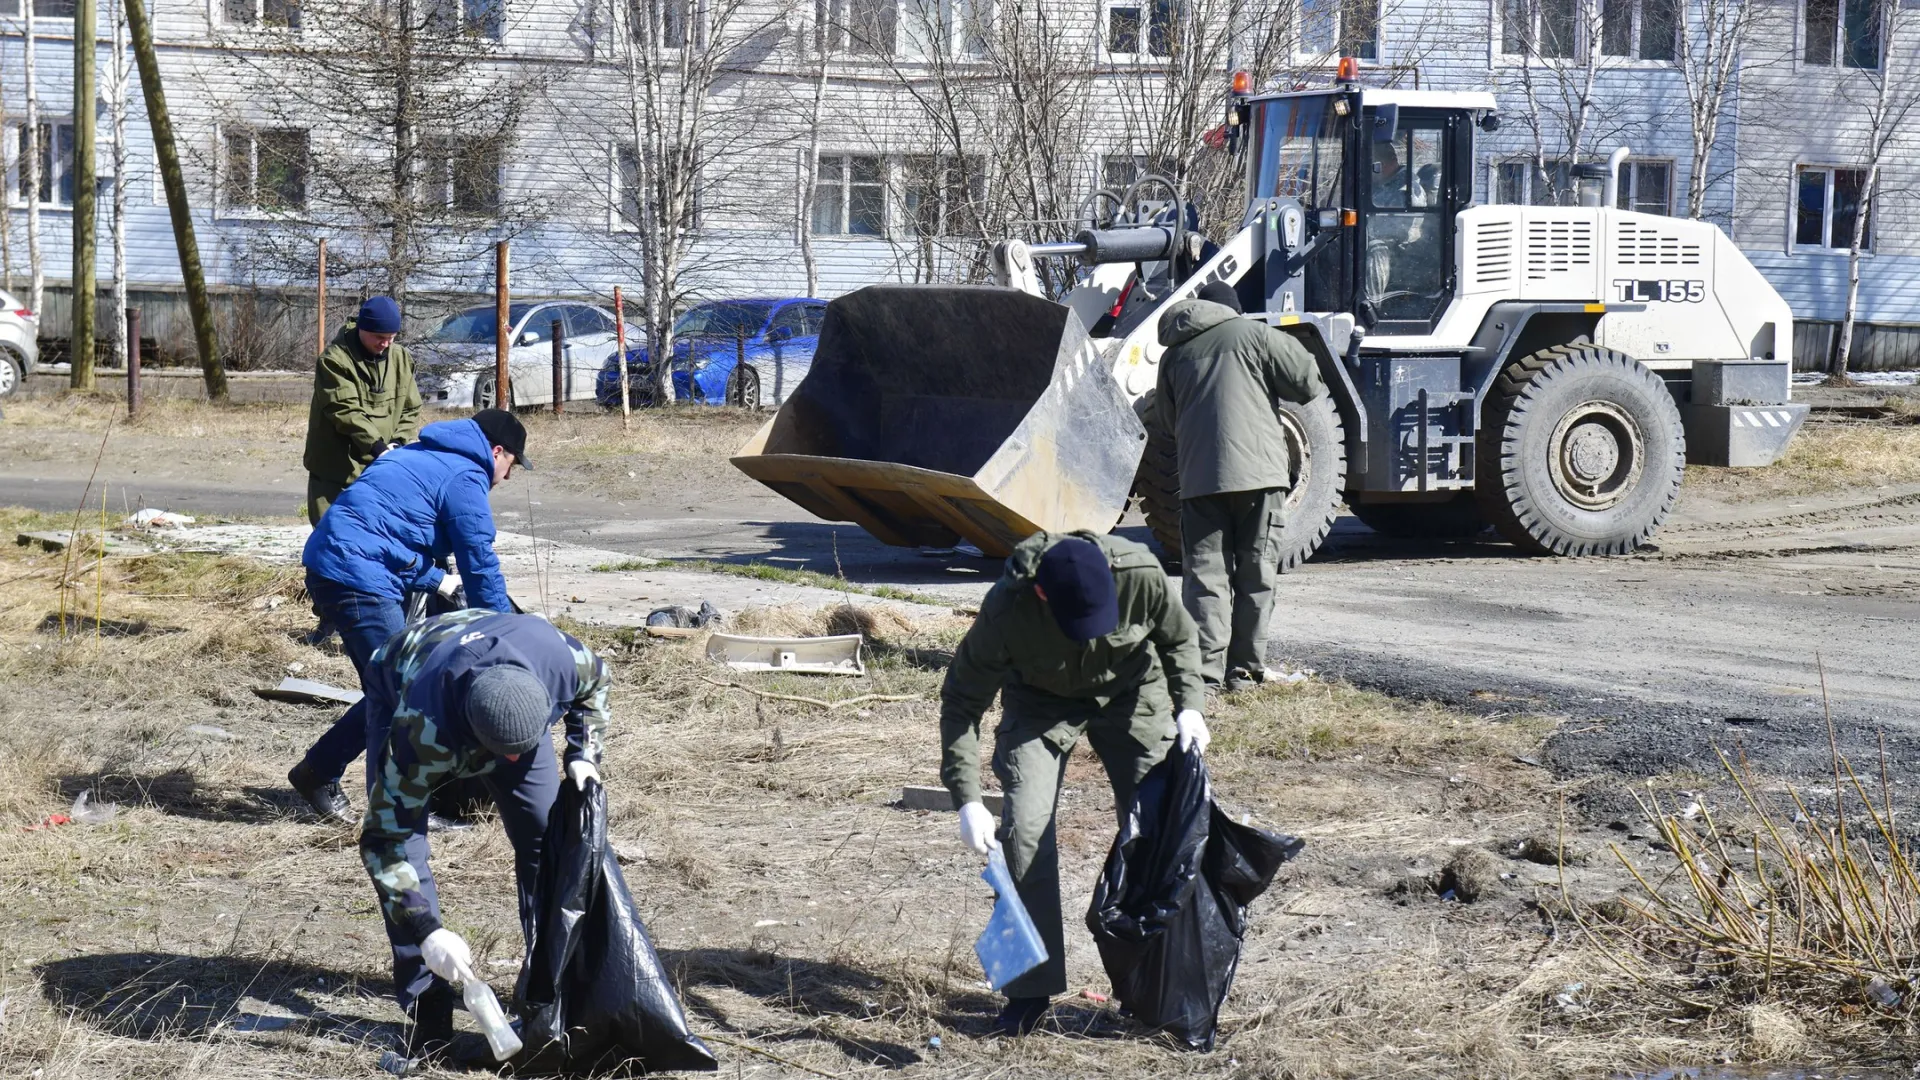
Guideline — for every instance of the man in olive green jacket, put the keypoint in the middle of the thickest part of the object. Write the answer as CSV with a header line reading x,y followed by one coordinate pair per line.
x,y
1079,635
365,401
1220,380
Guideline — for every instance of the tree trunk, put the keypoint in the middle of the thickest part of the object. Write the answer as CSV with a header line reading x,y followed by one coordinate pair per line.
x,y
167,157
36,289
118,76
85,236
811,180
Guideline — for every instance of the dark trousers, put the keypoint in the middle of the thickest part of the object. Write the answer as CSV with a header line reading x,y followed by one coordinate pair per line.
x,y
320,495
365,622
524,791
1131,734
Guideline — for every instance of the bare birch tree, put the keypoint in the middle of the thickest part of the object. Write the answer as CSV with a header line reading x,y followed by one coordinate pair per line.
x,y
1713,53
386,124
117,84
1882,88
30,186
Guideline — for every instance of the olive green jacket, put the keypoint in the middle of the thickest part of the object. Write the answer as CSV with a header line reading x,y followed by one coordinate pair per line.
x,y
1219,380
1014,643
359,402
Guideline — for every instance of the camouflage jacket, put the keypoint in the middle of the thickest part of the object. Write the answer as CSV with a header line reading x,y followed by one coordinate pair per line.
x,y
420,678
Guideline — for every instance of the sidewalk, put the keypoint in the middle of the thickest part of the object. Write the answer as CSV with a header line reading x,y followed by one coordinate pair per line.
x,y
548,575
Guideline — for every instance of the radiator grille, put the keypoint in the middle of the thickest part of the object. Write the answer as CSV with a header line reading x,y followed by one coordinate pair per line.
x,y
1647,245
1557,245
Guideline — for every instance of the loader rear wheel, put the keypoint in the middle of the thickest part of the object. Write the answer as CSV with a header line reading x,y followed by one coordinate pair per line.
x,y
1581,452
1318,442
1458,518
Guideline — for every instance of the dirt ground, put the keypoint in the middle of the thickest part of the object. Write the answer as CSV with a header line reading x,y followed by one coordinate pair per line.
x,y
813,927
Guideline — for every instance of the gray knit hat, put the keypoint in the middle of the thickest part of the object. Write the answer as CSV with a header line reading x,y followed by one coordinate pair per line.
x,y
508,709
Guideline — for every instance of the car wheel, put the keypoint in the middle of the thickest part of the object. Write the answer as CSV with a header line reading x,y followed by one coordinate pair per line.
x,y
483,393
743,387
13,372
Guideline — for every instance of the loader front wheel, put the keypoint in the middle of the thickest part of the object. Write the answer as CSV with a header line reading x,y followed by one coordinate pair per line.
x,y
1581,452
1318,444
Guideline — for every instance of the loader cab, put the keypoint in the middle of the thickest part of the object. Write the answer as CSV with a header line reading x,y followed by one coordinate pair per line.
x,y
1382,176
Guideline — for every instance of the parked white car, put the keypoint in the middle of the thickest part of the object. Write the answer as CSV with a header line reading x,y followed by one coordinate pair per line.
x,y
455,364
19,343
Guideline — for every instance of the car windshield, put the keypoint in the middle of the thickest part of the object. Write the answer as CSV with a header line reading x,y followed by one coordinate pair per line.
x,y
475,325
730,318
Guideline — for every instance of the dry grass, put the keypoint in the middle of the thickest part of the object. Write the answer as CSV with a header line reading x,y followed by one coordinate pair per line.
x,y
805,916
1823,457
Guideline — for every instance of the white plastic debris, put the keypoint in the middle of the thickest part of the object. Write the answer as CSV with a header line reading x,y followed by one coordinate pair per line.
x,y
158,519
834,655
87,812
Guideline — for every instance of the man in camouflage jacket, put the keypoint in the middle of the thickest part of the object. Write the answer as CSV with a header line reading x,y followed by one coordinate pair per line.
x,y
472,693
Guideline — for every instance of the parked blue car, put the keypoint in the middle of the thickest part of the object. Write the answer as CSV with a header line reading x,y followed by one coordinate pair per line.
x,y
777,337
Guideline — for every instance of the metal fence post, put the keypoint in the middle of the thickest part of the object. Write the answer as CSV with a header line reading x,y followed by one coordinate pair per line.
x,y
559,346
133,361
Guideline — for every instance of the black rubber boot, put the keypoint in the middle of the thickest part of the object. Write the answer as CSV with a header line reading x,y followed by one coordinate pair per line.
x,y
1020,1016
432,1029
324,796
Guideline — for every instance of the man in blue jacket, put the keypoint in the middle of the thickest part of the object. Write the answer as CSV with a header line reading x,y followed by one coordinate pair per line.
x,y
414,506
467,694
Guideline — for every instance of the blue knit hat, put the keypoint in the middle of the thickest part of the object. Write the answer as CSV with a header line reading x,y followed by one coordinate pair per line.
x,y
379,315
1079,587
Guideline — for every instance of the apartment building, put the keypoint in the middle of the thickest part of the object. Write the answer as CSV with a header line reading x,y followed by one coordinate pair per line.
x,y
839,143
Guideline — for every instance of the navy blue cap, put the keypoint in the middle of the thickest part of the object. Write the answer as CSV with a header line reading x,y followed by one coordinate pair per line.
x,y
379,315
1079,586
1219,292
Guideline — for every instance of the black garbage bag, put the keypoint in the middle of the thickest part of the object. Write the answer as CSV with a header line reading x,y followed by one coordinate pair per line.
x,y
593,992
1169,911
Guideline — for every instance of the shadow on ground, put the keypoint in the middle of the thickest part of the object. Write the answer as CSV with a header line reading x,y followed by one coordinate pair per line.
x,y
178,792
157,995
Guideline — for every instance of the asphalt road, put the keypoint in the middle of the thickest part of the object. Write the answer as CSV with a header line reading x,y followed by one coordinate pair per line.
x,y
1709,641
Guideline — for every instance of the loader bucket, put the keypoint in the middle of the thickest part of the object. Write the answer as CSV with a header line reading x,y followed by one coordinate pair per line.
x,y
933,413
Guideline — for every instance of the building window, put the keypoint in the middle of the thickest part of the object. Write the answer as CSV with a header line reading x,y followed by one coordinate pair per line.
x,y
850,196
265,170
284,14
45,9
1827,205
462,175
1640,29
863,27
1521,183
1544,28
628,189
1342,27
674,20
1140,28
942,28
480,18
940,196
1849,27
1646,187
1118,172
56,163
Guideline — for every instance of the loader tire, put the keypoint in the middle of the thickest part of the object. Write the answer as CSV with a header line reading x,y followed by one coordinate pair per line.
x,y
1458,518
1581,452
1318,441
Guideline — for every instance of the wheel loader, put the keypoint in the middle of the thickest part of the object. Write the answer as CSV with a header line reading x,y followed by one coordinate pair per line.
x,y
1547,371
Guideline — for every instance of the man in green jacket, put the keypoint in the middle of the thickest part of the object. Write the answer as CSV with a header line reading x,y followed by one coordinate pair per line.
x,y
364,402
1079,635
1220,380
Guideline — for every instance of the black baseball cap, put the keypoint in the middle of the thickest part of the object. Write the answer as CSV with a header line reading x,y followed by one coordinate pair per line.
x,y
503,429
1079,587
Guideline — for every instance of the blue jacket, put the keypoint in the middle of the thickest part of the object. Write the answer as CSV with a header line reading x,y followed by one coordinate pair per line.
x,y
413,506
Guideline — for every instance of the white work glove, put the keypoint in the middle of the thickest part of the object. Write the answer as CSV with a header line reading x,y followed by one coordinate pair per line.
x,y
1191,731
580,770
976,828
447,956
449,584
